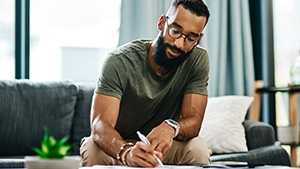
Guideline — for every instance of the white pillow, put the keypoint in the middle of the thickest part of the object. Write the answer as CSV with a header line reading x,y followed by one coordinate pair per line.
x,y
222,127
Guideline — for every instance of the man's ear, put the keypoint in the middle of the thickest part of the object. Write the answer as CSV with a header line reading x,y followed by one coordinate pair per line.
x,y
161,22
200,37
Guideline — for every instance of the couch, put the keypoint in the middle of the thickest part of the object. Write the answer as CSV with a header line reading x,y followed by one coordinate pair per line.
x,y
26,107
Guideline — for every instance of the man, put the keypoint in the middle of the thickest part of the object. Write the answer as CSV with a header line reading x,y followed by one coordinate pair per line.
x,y
158,88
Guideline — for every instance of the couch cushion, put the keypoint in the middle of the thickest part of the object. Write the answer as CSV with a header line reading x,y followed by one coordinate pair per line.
x,y
222,127
81,122
27,106
12,162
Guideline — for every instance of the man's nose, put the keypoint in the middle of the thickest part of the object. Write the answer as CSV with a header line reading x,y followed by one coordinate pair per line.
x,y
179,42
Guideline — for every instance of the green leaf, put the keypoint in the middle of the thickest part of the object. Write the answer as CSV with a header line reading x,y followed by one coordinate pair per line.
x,y
46,134
39,152
64,150
51,141
45,147
63,140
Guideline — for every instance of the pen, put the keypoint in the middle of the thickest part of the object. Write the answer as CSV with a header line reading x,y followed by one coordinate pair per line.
x,y
146,141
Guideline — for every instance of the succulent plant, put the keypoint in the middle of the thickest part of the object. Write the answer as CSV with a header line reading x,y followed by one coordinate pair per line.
x,y
52,148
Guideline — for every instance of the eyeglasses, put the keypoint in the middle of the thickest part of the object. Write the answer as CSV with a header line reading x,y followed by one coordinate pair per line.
x,y
175,33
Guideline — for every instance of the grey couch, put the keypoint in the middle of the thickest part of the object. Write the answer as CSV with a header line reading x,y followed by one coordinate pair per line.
x,y
64,107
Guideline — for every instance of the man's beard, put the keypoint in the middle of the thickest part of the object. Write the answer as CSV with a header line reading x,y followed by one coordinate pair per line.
x,y
160,56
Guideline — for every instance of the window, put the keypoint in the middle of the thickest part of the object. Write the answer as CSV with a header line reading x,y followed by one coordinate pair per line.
x,y
287,46
71,38
7,28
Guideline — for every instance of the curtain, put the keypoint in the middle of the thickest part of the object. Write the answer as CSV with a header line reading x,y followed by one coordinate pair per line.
x,y
227,40
139,18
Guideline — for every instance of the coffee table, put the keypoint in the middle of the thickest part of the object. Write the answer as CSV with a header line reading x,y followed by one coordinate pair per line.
x,y
190,167
215,166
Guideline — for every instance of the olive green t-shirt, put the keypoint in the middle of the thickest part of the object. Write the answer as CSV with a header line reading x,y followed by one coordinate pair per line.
x,y
146,98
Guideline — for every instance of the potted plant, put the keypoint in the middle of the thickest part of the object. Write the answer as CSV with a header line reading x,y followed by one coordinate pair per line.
x,y
53,154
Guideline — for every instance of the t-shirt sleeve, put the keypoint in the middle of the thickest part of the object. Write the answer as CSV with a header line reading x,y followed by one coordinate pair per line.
x,y
109,82
198,80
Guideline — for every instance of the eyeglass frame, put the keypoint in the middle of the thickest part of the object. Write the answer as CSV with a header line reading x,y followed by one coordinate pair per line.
x,y
186,36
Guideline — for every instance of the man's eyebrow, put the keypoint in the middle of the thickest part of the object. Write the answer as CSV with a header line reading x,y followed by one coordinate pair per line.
x,y
177,25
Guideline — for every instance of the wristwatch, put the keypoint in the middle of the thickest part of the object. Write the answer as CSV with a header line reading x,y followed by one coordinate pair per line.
x,y
173,124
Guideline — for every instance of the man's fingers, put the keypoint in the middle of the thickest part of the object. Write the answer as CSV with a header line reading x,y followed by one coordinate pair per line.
x,y
143,154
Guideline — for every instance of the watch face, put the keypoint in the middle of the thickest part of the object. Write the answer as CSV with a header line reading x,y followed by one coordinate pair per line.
x,y
173,124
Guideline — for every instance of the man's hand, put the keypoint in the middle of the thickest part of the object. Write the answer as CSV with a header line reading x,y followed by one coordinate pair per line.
x,y
161,138
142,155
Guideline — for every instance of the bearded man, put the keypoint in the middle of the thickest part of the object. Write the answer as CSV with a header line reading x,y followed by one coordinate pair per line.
x,y
157,87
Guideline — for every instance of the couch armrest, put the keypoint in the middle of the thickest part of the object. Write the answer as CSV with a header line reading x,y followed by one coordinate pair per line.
x,y
258,134
268,155
81,121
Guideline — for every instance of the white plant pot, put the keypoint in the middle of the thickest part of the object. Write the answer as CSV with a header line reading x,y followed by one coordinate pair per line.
x,y
35,162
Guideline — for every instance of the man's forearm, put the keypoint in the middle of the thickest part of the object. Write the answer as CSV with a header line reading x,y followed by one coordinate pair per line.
x,y
107,138
189,127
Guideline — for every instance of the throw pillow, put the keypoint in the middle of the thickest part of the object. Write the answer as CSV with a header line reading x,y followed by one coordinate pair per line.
x,y
222,127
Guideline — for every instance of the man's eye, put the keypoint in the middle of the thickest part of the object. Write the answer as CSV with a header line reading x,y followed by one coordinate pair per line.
x,y
175,31
191,39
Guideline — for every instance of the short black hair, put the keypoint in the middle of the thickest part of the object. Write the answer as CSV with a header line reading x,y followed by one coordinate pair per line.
x,y
195,6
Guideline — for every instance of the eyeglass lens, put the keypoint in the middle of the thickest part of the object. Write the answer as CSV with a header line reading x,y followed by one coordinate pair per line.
x,y
176,33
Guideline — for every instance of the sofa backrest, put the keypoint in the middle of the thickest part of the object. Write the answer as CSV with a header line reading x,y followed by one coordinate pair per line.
x,y
26,107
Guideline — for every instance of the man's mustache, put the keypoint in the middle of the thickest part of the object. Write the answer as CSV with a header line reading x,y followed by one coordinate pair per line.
x,y
175,49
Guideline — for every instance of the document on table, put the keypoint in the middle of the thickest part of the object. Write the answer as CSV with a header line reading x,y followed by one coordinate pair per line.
x,y
126,167
184,167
